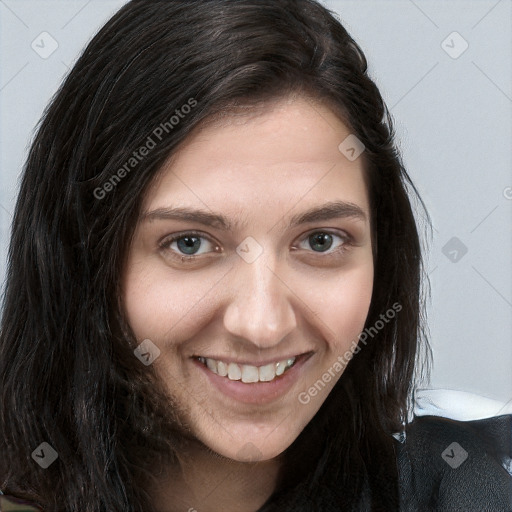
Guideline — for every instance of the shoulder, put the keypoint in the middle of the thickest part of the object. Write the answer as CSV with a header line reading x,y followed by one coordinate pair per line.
x,y
449,465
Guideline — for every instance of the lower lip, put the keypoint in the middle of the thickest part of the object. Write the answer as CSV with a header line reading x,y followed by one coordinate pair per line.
x,y
256,392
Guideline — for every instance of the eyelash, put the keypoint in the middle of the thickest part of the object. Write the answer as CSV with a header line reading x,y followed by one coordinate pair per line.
x,y
166,243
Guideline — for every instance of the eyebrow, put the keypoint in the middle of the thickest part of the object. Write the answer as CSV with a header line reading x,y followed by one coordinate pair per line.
x,y
328,211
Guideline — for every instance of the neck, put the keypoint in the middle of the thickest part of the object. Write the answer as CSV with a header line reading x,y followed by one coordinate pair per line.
x,y
207,482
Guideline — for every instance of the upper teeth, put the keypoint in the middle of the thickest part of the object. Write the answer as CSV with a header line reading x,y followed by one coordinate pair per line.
x,y
248,373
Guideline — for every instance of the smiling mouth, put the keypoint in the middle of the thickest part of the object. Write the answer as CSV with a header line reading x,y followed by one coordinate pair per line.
x,y
248,373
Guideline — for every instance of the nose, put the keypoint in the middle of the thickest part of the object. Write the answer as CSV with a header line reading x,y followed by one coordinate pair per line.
x,y
259,308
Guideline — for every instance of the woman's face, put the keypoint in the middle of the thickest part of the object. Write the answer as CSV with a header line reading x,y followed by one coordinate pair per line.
x,y
253,252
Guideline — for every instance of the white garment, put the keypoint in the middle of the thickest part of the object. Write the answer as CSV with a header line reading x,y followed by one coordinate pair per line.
x,y
458,405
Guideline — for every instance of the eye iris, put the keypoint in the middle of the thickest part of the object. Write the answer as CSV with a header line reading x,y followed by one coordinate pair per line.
x,y
189,244
318,241
323,241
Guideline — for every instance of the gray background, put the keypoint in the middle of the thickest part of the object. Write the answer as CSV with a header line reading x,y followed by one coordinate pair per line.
x,y
452,111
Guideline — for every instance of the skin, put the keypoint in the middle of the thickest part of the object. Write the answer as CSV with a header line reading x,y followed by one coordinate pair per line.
x,y
260,171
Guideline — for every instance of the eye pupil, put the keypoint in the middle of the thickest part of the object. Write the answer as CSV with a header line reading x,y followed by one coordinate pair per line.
x,y
189,244
323,241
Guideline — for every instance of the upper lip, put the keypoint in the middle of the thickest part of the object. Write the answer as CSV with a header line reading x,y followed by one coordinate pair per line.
x,y
261,362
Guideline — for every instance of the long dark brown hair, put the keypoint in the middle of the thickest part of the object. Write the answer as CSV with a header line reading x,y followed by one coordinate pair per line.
x,y
68,375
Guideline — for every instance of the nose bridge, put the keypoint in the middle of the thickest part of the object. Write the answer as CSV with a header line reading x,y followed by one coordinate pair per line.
x,y
259,308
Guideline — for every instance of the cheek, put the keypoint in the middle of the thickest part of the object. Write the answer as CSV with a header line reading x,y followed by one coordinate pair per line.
x,y
342,306
341,312
139,298
159,306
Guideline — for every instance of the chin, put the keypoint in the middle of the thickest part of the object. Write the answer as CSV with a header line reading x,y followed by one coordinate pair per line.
x,y
255,443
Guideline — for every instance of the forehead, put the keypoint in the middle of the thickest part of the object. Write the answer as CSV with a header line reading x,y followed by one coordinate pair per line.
x,y
283,154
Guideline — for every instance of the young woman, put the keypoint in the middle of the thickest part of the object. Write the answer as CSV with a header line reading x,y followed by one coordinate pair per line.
x,y
215,282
